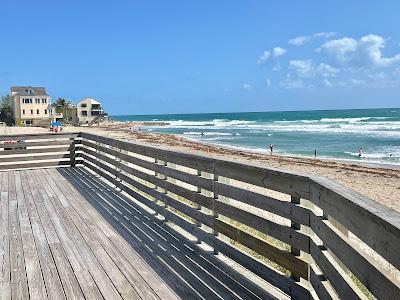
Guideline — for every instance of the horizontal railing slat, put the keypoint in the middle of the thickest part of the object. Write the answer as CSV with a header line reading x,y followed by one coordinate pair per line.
x,y
342,283
281,281
35,157
32,165
282,208
39,136
286,234
47,143
285,259
35,150
377,280
374,224
322,287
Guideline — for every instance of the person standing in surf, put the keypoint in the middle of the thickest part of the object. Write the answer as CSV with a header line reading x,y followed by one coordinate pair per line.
x,y
360,152
271,149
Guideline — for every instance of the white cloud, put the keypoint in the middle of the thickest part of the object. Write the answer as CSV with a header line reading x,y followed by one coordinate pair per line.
x,y
268,82
299,40
278,51
326,70
363,53
292,83
264,57
326,35
247,87
303,68
357,82
306,68
327,83
275,52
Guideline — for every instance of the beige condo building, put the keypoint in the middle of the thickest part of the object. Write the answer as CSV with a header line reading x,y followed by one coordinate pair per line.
x,y
31,106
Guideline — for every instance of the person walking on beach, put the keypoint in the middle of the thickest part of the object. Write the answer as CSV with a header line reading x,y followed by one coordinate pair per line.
x,y
315,153
271,149
360,152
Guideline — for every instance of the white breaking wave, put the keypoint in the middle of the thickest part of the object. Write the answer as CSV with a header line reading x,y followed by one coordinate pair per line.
x,y
344,120
210,133
376,126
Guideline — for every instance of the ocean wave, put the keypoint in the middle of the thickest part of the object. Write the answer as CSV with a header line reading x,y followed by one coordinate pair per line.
x,y
376,155
344,120
214,123
210,133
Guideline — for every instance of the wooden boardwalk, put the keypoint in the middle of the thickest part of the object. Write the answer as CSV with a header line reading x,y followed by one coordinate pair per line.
x,y
64,234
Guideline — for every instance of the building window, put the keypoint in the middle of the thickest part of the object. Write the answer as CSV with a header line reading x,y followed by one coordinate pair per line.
x,y
37,111
83,105
23,111
84,113
45,111
37,101
27,100
31,111
44,101
28,122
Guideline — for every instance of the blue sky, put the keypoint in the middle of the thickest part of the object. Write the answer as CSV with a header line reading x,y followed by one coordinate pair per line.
x,y
205,56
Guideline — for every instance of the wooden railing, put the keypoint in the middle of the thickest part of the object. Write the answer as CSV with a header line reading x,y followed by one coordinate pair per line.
x,y
39,150
305,235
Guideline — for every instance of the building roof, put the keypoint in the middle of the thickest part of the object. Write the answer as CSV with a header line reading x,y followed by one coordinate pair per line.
x,y
29,90
91,100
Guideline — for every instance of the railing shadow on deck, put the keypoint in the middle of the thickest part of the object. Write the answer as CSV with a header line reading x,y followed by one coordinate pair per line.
x,y
174,259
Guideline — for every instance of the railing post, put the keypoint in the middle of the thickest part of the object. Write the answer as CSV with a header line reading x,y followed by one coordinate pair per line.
x,y
118,168
164,191
161,190
72,153
198,206
296,226
97,155
214,213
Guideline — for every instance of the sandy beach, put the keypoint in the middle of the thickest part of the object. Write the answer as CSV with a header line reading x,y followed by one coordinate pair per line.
x,y
380,183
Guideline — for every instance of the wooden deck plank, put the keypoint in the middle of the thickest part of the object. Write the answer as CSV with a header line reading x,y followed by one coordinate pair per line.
x,y
82,274
36,285
105,286
120,282
203,275
56,194
68,279
78,279
5,272
61,187
19,282
50,274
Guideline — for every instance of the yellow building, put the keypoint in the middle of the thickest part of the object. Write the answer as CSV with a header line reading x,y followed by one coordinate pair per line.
x,y
31,106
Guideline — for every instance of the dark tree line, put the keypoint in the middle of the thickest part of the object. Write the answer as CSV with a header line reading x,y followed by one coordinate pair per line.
x,y
7,110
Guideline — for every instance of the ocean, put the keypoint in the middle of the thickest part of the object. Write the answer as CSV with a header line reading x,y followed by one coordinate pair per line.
x,y
337,134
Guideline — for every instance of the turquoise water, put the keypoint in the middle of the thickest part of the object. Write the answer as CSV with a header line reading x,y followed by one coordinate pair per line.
x,y
333,133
